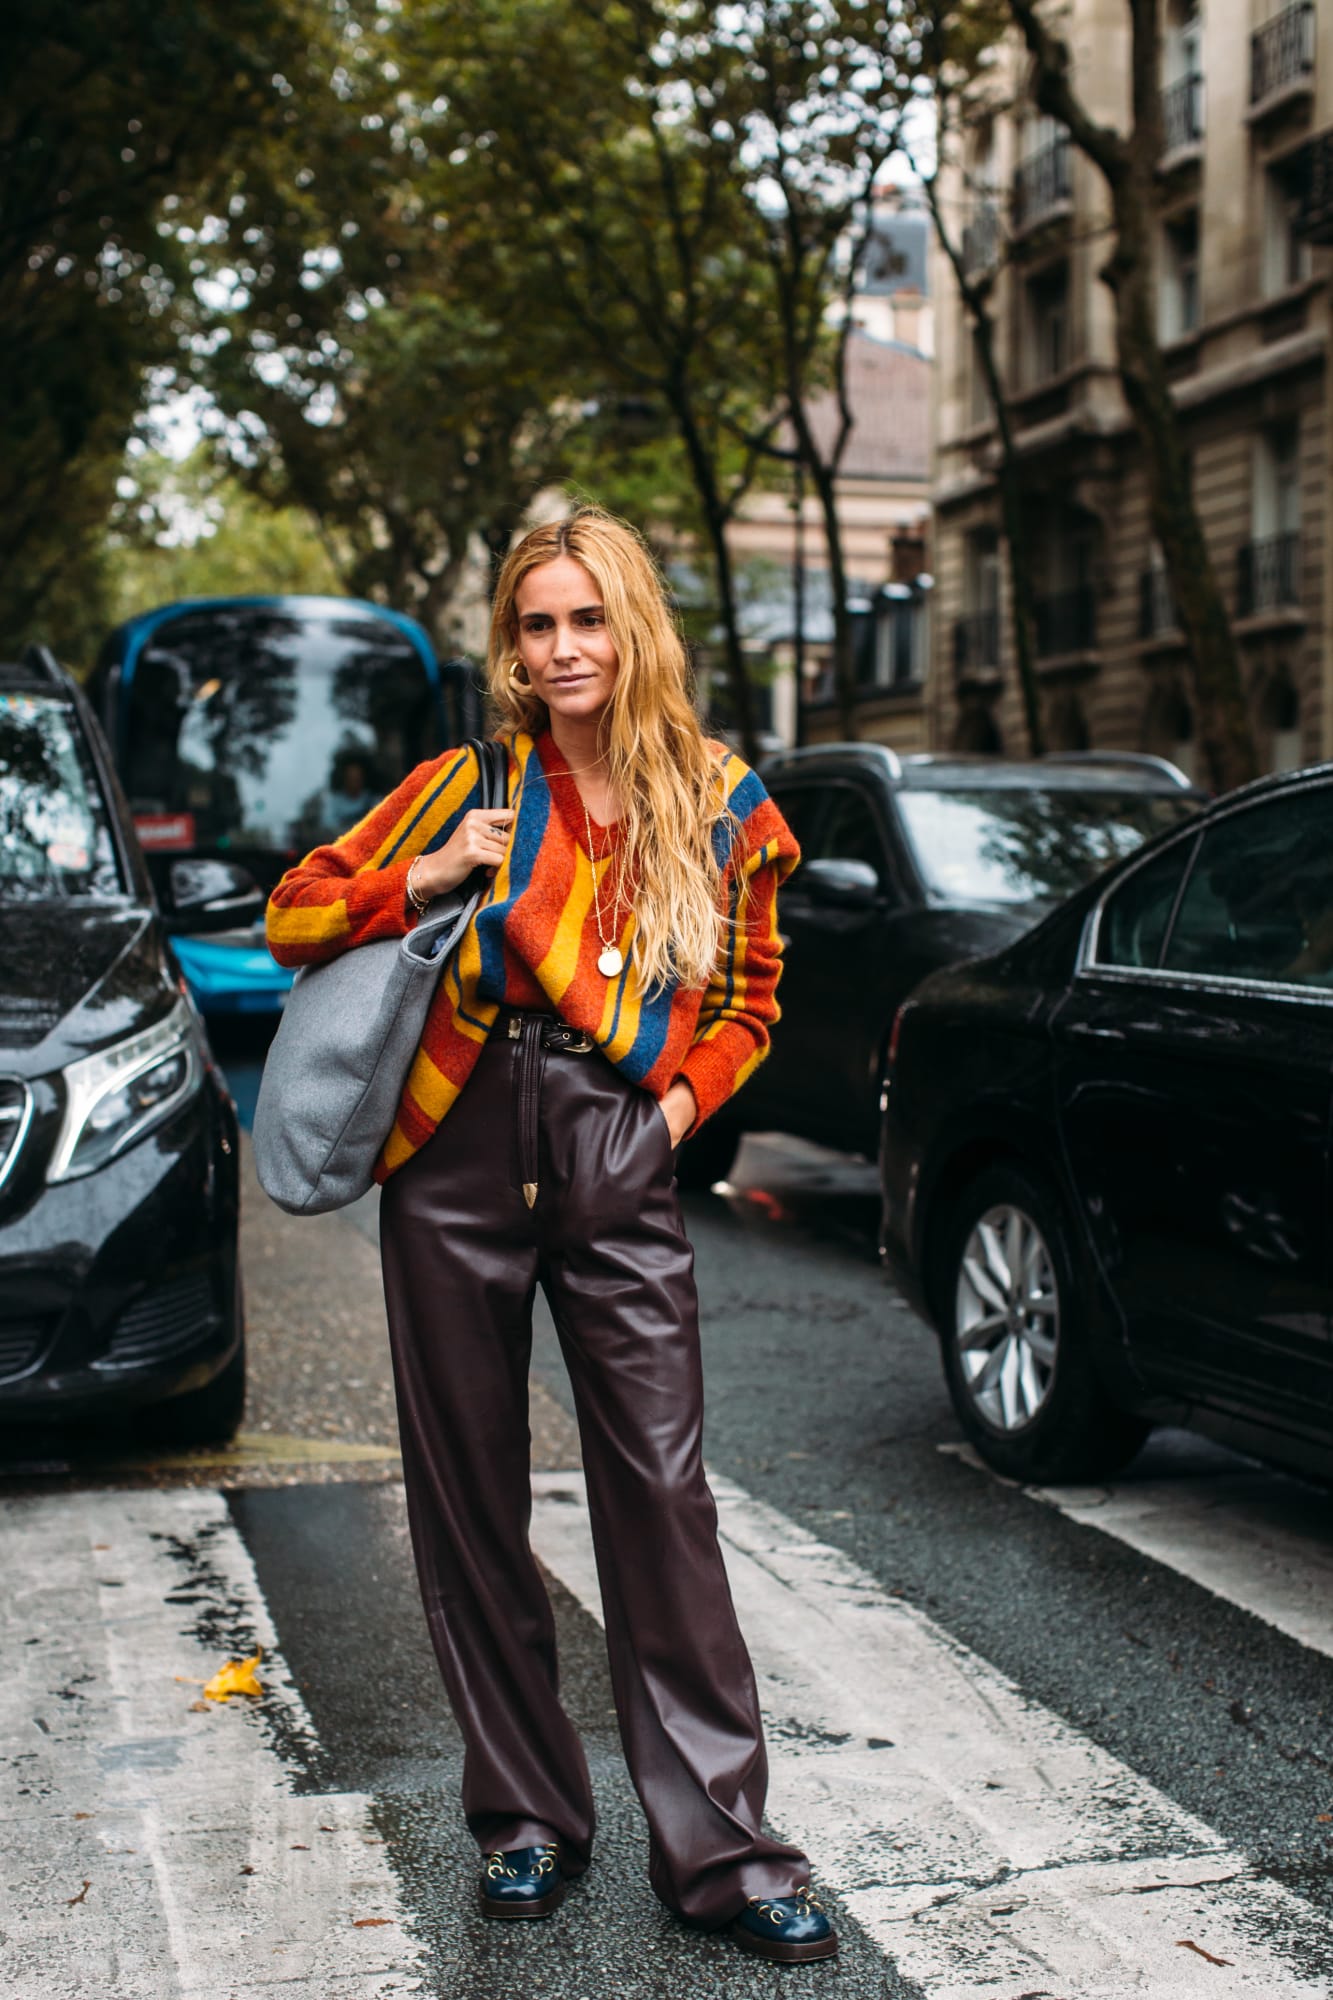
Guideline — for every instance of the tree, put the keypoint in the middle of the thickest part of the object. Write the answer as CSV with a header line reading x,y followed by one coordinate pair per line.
x,y
955,48
1127,162
188,528
634,228
106,113
813,93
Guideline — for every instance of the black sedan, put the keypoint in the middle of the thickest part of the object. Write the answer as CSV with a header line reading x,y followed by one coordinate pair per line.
x,y
1106,1154
118,1144
910,864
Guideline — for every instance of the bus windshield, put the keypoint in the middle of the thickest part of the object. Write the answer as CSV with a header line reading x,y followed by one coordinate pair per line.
x,y
257,728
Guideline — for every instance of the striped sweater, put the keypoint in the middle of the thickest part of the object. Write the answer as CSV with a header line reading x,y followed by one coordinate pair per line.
x,y
534,941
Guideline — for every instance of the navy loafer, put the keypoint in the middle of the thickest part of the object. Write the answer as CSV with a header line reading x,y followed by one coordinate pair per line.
x,y
526,1882
791,1929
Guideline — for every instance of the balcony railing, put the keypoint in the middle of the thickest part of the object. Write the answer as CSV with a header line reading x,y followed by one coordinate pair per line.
x,y
1157,604
1042,183
1182,114
1282,51
1314,216
976,643
1268,574
981,240
1066,622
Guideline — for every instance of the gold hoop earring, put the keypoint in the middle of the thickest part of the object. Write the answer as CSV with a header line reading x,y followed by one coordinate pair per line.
x,y
514,681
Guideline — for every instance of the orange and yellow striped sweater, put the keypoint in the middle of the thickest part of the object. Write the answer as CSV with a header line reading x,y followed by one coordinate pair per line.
x,y
534,940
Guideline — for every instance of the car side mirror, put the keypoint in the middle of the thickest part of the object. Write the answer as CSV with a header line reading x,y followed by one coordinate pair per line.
x,y
844,885
210,895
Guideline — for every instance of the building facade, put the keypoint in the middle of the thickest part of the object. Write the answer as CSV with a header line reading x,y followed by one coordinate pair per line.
x,y
883,498
1243,271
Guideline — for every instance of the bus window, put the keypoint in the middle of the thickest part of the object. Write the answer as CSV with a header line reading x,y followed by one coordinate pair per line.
x,y
262,728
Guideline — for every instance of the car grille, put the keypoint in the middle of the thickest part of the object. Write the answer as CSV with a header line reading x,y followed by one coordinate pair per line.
x,y
161,1322
15,1112
21,1341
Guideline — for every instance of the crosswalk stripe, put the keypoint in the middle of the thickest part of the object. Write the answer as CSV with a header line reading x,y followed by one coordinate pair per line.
x,y
985,1845
154,1847
1254,1537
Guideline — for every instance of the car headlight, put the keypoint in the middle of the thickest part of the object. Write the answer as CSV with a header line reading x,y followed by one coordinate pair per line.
x,y
115,1097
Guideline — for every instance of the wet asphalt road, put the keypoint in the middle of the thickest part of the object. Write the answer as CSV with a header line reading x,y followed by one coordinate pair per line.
x,y
826,1401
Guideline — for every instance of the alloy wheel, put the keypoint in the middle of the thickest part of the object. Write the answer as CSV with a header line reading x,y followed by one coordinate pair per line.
x,y
1007,1318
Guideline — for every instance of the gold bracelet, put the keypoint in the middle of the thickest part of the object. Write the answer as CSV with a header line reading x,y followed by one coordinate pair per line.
x,y
419,902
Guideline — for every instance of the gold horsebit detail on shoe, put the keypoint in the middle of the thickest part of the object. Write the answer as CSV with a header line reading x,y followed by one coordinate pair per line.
x,y
495,1863
805,1894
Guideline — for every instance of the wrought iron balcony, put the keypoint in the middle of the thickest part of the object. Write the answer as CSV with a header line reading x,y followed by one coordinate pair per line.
x,y
1282,51
976,643
1157,604
1042,183
1066,622
1314,217
981,240
1268,574
1182,114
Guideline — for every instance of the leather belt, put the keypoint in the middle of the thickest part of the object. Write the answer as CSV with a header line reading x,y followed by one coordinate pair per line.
x,y
536,1034
554,1033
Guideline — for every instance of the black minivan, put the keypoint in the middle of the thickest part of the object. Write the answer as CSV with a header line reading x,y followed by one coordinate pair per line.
x,y
119,1287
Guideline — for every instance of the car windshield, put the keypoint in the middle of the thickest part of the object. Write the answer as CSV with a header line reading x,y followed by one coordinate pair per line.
x,y
1012,845
55,838
250,727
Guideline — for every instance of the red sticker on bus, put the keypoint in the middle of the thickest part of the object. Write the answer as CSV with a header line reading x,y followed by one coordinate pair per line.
x,y
165,833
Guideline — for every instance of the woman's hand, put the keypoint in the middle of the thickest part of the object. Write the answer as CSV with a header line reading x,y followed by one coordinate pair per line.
x,y
478,841
680,1109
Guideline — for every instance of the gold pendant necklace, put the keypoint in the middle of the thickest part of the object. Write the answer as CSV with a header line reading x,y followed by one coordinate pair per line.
x,y
610,961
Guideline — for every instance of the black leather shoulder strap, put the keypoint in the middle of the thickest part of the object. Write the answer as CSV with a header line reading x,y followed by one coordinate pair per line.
x,y
493,757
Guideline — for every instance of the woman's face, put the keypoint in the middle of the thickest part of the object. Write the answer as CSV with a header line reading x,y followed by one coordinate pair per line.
x,y
563,641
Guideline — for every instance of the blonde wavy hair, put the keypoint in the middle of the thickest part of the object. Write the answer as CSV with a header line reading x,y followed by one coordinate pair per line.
x,y
658,761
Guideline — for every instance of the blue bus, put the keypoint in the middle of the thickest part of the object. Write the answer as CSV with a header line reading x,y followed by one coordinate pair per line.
x,y
253,728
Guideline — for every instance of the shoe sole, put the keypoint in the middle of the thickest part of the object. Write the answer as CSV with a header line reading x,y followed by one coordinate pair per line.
x,y
539,1906
804,1953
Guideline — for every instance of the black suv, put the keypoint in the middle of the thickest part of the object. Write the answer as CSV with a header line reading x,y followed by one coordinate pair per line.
x,y
118,1141
910,864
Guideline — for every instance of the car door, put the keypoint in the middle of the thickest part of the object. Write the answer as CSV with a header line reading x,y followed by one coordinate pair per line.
x,y
823,1077
1194,1075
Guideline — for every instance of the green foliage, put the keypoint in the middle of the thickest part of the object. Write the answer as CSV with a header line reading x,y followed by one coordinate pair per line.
x,y
107,115
190,529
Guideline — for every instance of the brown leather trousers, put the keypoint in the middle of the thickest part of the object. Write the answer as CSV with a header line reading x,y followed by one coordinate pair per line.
x,y
463,1253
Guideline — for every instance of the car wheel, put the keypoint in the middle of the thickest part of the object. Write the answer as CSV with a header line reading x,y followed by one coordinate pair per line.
x,y
708,1157
1017,1353
211,1415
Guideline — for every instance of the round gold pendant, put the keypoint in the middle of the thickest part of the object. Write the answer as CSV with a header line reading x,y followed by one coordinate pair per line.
x,y
610,962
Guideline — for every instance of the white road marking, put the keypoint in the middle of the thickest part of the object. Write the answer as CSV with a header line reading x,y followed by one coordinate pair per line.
x,y
207,1877
1261,1541
985,1845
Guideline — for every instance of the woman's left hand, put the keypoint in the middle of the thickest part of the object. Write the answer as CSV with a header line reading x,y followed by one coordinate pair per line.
x,y
679,1109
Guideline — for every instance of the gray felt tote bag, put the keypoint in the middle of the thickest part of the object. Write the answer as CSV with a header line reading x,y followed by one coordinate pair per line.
x,y
346,1041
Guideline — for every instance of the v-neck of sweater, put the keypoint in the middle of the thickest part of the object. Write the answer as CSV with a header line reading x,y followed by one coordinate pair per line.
x,y
569,800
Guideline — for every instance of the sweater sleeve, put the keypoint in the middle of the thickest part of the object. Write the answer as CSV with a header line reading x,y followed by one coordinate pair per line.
x,y
740,1003
354,890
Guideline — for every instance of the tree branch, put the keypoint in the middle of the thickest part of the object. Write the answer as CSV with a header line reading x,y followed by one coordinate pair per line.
x,y
1054,92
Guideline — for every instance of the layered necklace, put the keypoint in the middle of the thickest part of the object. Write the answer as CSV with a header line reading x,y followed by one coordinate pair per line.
x,y
610,960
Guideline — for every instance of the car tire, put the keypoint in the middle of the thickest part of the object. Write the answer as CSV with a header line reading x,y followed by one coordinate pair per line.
x,y
1017,1350
211,1415
708,1157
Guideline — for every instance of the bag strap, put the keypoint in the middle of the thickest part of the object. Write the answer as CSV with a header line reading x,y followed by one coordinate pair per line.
x,y
493,761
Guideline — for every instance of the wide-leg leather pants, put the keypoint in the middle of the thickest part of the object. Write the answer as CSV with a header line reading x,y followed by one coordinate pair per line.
x,y
463,1252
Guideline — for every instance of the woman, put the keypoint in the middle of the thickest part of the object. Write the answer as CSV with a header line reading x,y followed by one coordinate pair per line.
x,y
616,987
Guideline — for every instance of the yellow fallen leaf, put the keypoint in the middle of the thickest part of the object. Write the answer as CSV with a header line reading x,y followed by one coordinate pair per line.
x,y
237,1677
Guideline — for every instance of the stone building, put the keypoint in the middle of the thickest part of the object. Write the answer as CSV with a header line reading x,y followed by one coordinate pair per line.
x,y
1244,302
